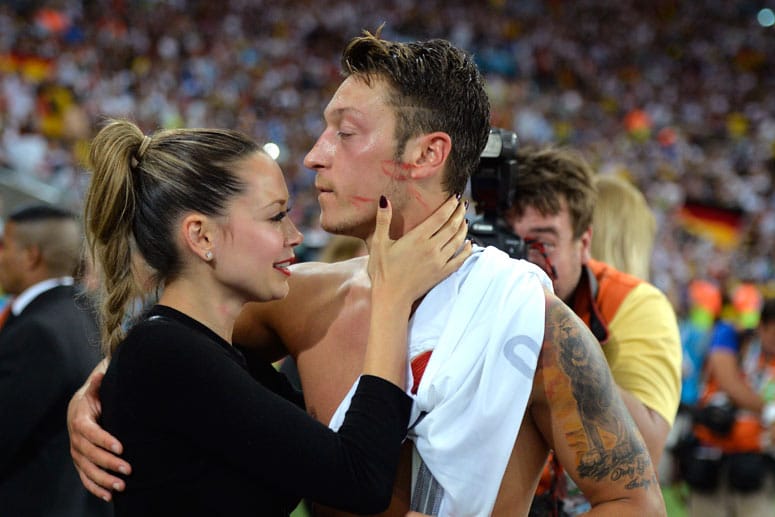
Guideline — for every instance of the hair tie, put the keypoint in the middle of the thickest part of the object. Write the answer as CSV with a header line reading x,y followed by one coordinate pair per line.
x,y
141,151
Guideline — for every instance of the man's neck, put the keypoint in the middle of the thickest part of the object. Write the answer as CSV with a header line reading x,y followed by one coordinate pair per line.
x,y
413,213
583,287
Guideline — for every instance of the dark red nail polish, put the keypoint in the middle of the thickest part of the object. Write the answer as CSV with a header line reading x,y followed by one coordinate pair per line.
x,y
382,202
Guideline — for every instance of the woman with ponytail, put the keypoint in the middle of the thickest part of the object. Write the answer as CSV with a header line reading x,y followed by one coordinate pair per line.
x,y
206,212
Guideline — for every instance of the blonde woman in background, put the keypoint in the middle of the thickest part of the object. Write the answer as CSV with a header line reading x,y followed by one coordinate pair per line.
x,y
624,226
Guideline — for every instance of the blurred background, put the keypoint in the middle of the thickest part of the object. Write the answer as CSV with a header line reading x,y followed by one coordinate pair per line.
x,y
678,97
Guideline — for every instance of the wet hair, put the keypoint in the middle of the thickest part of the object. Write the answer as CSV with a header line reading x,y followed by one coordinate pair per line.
x,y
56,232
545,177
434,86
141,187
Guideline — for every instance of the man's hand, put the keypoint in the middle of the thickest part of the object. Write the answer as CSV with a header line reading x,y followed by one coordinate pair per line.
x,y
90,444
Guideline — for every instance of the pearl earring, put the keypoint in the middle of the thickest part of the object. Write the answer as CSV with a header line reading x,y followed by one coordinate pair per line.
x,y
209,255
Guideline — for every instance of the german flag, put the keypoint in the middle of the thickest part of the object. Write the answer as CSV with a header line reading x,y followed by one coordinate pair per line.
x,y
33,68
720,225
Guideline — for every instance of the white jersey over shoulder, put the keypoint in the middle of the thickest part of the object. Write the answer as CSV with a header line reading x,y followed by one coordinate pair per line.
x,y
485,325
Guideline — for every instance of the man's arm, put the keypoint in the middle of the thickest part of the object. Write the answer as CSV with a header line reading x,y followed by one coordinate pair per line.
x,y
94,451
644,355
652,426
723,367
581,415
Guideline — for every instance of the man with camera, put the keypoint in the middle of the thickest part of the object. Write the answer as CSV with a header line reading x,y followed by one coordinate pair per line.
x,y
551,197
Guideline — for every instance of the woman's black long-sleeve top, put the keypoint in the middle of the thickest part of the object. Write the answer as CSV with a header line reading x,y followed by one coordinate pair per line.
x,y
205,438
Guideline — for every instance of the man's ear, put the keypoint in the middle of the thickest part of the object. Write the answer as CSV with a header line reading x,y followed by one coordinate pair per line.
x,y
429,154
586,245
197,232
33,256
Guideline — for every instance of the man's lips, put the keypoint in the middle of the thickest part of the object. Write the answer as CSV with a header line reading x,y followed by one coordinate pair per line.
x,y
322,189
282,266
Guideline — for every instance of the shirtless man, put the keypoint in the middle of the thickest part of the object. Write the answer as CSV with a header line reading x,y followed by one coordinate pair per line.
x,y
410,121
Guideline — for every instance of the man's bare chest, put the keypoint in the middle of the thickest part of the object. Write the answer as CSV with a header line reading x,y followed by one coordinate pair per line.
x,y
331,351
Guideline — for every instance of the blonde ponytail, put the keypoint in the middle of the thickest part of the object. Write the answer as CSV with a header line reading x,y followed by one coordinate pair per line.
x,y
108,214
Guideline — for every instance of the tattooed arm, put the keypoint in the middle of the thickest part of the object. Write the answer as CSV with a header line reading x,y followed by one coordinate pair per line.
x,y
579,412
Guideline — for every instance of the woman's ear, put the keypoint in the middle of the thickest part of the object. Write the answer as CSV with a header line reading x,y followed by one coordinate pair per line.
x,y
197,232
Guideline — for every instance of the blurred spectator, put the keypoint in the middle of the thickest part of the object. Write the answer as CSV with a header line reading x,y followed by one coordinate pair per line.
x,y
623,227
704,306
728,469
25,150
48,346
697,315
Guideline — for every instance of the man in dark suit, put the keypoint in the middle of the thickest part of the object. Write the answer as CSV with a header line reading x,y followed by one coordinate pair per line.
x,y
48,346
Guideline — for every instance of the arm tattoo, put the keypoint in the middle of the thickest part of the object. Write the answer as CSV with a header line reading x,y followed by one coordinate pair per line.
x,y
609,432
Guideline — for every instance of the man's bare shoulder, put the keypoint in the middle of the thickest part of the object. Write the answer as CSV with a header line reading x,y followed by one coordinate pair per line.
x,y
313,288
317,283
314,282
568,349
325,274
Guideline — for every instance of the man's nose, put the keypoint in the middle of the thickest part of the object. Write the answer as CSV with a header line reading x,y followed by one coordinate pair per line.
x,y
320,154
312,159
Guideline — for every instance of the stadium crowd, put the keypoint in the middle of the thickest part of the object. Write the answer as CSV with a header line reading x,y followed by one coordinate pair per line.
x,y
676,96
